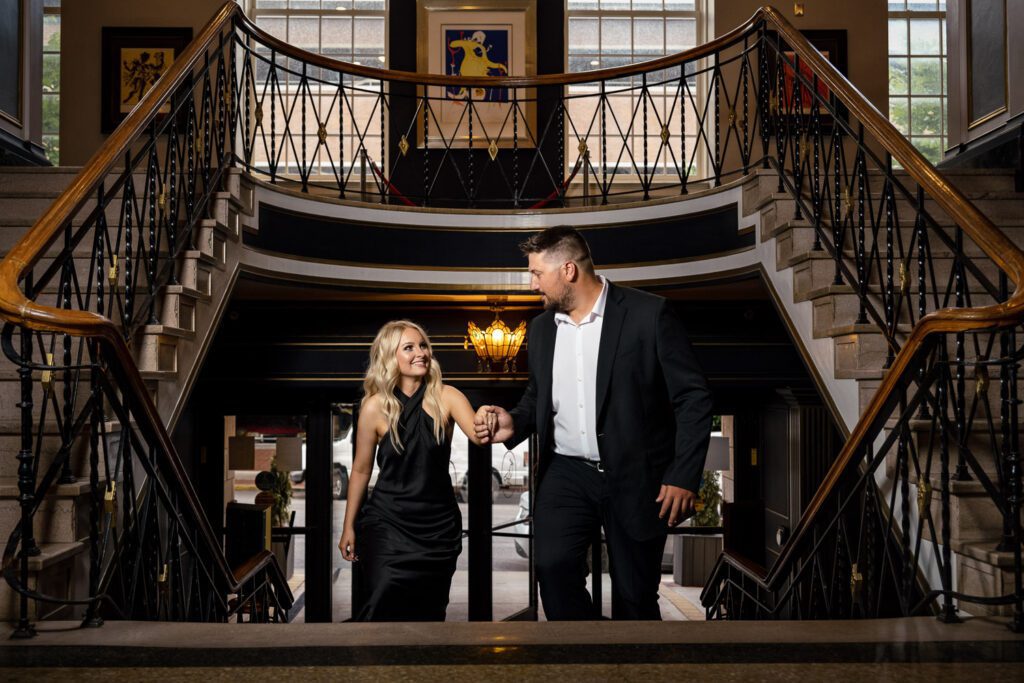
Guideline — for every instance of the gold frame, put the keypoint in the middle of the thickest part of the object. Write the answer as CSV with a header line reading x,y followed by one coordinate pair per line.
x,y
425,9
985,118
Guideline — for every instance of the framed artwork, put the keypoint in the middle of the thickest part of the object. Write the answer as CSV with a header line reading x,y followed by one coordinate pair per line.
x,y
133,59
485,39
832,46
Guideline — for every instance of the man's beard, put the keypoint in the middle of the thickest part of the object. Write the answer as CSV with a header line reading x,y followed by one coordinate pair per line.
x,y
563,303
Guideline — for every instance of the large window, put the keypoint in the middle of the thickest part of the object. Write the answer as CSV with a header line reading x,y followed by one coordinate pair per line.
x,y
609,33
347,30
917,73
51,80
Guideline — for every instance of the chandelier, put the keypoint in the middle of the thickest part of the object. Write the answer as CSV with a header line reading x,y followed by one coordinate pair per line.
x,y
496,346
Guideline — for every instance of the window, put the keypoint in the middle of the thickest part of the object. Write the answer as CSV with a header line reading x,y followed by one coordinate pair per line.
x,y
917,73
347,30
51,80
610,33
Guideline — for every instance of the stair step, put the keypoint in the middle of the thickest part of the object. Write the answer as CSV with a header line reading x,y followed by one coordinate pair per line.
x,y
63,517
187,292
168,331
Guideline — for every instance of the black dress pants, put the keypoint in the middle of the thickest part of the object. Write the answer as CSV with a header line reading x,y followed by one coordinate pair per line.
x,y
572,505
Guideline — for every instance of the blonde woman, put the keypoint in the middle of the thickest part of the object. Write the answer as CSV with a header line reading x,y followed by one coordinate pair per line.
x,y
408,534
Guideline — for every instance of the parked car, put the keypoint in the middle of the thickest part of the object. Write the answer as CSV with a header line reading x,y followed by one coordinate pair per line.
x,y
341,452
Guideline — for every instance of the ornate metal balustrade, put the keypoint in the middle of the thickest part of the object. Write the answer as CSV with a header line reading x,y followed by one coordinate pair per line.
x,y
924,268
76,290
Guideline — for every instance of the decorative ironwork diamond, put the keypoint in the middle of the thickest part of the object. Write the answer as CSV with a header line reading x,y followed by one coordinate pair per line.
x,y
664,135
732,115
492,150
904,280
322,133
161,200
403,146
112,273
924,495
582,147
259,117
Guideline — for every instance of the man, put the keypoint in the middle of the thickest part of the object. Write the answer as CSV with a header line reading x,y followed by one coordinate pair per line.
x,y
623,416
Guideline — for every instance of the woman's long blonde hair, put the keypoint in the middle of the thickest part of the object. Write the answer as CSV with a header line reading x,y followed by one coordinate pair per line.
x,y
382,377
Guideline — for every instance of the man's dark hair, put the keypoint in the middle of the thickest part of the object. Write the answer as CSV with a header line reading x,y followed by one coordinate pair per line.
x,y
561,241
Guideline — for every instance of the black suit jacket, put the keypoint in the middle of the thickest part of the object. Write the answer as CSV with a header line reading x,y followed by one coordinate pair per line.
x,y
653,404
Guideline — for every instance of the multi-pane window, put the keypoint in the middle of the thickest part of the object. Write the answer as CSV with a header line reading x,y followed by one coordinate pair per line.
x,y
917,73
346,30
51,80
610,33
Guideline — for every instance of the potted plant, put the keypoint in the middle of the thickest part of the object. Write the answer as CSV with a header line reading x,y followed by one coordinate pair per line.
x,y
282,546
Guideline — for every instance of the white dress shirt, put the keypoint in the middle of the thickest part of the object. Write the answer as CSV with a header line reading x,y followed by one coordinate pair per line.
x,y
574,380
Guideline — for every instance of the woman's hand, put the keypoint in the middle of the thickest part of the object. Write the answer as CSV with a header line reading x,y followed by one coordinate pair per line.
x,y
347,545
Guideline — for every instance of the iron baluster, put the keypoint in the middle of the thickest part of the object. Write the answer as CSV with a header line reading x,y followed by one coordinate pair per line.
x,y
959,285
715,79
383,154
342,177
817,194
306,166
948,610
838,216
744,69
797,116
426,147
604,145
646,179
515,148
763,94
273,116
472,180
126,226
26,476
151,262
863,272
683,89
92,617
890,288
66,476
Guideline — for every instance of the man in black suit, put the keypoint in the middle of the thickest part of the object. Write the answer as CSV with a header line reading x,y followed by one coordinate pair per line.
x,y
623,416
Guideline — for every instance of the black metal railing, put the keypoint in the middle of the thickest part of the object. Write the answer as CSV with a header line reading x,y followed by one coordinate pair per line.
x,y
922,267
96,262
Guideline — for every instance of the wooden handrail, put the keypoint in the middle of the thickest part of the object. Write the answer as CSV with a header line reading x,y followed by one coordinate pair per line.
x,y
18,309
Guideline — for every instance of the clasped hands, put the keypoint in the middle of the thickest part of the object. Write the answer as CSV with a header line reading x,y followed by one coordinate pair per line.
x,y
493,424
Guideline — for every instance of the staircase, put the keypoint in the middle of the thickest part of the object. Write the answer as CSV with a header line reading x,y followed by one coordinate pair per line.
x,y
169,354
860,354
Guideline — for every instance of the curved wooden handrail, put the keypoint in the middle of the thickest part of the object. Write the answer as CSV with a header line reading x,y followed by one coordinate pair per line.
x,y
18,309
15,307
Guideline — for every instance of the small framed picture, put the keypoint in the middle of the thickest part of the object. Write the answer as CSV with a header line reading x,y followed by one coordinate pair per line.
x,y
133,59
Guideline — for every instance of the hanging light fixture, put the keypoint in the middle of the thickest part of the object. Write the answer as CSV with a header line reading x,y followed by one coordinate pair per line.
x,y
496,346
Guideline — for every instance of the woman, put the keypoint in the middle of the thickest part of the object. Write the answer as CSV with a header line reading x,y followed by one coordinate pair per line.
x,y
408,535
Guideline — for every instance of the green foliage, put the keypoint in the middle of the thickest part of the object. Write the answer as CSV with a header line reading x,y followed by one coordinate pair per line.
x,y
282,491
716,423
710,500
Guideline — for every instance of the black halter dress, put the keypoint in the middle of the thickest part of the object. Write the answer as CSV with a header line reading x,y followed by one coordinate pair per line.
x,y
409,532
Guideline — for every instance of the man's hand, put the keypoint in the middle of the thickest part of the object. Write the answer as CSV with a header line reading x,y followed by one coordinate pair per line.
x,y
676,503
493,424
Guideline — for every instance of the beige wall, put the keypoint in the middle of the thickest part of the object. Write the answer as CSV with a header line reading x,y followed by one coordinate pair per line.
x,y
81,25
866,31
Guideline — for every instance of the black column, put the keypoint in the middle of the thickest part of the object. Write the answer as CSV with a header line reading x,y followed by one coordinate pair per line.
x,y
319,541
480,565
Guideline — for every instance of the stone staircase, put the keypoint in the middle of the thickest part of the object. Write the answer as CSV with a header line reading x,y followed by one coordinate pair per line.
x,y
169,355
860,350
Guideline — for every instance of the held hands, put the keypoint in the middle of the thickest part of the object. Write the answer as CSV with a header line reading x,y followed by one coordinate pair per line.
x,y
347,545
677,503
493,424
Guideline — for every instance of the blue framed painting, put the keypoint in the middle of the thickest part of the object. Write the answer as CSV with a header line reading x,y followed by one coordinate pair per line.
x,y
477,51
461,39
